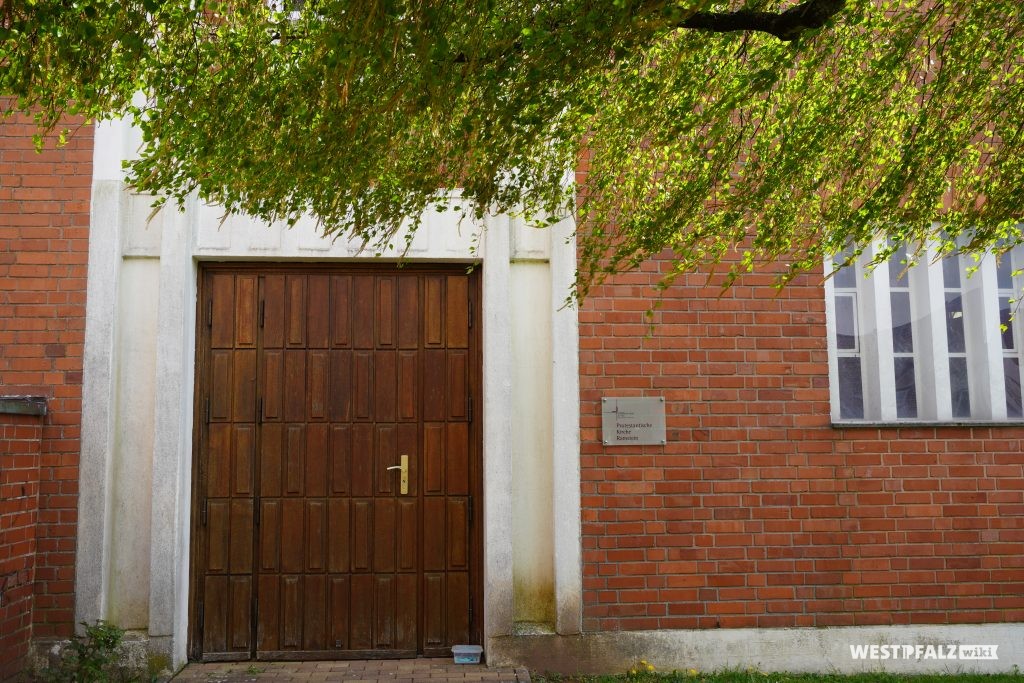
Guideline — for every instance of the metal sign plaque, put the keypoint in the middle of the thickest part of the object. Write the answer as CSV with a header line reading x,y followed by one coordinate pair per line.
x,y
633,421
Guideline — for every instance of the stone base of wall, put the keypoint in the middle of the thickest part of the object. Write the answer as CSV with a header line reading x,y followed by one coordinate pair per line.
x,y
819,650
139,656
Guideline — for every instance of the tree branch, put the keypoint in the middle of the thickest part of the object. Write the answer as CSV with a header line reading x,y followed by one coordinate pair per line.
x,y
788,25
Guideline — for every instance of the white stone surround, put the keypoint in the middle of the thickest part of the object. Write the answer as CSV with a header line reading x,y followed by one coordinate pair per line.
x,y
134,509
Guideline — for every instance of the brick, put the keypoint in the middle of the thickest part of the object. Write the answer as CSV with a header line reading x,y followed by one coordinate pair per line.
x,y
843,526
42,265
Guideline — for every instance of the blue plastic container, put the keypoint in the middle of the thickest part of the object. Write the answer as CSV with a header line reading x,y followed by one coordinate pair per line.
x,y
467,654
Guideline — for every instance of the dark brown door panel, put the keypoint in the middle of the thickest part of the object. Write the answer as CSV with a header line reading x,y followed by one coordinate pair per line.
x,y
312,383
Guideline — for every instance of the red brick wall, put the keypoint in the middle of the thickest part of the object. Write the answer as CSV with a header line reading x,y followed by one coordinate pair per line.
x,y
44,219
758,513
20,440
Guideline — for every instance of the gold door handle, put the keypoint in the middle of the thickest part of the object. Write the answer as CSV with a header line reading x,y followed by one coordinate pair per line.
x,y
404,485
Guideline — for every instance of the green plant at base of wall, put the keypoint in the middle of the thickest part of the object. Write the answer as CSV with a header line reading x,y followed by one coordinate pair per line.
x,y
95,657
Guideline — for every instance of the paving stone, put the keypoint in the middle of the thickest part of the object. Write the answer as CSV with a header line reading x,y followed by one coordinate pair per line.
x,y
352,671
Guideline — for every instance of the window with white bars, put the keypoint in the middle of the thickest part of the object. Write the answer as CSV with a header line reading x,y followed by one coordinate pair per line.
x,y
932,342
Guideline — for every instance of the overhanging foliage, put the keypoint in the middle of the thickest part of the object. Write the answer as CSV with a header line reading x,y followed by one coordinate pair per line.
x,y
784,130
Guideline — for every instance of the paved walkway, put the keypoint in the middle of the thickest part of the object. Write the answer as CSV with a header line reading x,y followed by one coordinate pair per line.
x,y
356,671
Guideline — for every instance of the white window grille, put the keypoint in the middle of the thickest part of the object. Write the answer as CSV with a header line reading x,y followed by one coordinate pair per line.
x,y
1010,337
931,342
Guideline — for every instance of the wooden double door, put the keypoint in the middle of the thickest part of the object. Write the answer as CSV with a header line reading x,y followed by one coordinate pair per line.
x,y
312,384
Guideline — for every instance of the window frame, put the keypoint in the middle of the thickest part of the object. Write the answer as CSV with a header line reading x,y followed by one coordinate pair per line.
x,y
982,336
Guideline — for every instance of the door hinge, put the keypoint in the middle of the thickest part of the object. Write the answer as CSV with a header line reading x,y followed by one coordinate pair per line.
x,y
471,610
469,512
469,408
209,313
471,313
259,410
201,610
202,514
206,410
263,310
